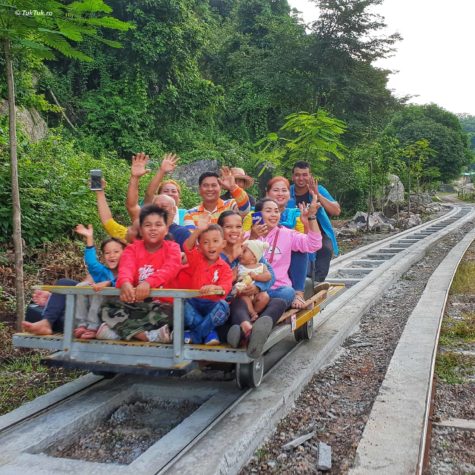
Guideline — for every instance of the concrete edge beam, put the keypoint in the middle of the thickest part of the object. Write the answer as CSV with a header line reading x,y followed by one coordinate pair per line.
x,y
394,438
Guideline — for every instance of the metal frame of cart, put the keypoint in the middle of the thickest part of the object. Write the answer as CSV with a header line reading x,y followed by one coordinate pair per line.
x,y
120,354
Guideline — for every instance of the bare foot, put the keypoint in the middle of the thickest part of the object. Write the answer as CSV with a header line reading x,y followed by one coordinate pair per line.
x,y
40,297
299,301
42,327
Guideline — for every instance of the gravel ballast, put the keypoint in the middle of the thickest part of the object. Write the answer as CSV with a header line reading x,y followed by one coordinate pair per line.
x,y
336,403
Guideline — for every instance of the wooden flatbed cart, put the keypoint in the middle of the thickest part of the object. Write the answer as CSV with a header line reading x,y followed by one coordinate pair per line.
x,y
114,356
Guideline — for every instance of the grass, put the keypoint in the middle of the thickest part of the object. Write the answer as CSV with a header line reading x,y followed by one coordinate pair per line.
x,y
453,368
22,376
464,280
458,332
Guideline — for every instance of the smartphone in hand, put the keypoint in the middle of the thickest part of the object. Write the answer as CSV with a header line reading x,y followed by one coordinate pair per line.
x,y
96,180
257,218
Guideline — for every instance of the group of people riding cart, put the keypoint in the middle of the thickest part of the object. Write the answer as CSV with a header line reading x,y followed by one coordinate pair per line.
x,y
249,259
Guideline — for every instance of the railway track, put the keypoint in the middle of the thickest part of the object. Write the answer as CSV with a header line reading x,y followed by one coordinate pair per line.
x,y
201,443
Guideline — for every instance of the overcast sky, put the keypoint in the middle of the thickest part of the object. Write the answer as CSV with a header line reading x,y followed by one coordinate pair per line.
x,y
435,59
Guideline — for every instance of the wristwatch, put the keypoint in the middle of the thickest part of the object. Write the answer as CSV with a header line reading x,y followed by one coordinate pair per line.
x,y
312,218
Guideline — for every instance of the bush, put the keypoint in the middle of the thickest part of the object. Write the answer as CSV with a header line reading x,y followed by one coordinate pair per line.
x,y
54,192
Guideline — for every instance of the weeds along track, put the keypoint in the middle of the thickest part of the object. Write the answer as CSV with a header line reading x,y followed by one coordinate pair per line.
x,y
222,434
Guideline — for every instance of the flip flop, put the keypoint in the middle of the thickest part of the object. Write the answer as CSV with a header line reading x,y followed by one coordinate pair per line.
x,y
321,286
259,334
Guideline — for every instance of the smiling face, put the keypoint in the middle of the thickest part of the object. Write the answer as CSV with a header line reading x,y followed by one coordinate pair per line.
x,y
111,253
171,190
232,228
280,193
211,244
153,231
300,177
210,189
270,214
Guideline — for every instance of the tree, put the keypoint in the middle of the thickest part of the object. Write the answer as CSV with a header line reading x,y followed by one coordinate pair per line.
x,y
344,42
23,27
311,137
417,154
443,132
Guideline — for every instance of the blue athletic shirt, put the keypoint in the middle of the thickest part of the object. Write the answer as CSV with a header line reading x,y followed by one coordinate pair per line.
x,y
322,216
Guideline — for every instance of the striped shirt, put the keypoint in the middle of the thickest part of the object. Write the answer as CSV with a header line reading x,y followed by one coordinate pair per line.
x,y
239,202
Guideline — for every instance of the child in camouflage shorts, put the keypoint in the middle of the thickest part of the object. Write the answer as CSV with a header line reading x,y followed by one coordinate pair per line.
x,y
147,263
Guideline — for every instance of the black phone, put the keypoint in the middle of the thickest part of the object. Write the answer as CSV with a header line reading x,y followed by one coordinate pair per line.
x,y
96,180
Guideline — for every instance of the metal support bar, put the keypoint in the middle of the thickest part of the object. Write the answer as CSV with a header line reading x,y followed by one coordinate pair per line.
x,y
178,329
69,322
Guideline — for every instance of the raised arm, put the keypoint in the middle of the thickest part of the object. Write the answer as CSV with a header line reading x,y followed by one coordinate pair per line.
x,y
228,182
331,206
137,170
102,206
168,165
203,223
112,227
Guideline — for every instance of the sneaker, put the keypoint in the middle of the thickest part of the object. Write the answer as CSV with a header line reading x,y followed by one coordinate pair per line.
x,y
106,333
234,336
160,335
212,339
187,338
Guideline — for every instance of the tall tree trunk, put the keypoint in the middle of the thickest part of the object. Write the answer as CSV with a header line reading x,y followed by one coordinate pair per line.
x,y
16,215
370,195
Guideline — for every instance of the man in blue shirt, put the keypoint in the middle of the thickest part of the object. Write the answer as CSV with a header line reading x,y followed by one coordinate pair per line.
x,y
299,193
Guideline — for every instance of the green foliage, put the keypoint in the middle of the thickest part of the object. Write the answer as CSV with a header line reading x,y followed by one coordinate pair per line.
x,y
311,137
54,191
42,34
344,41
468,125
441,130
454,368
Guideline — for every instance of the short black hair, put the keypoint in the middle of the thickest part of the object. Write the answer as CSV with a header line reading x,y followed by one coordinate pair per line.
x,y
260,203
112,239
225,214
213,227
207,175
152,209
300,164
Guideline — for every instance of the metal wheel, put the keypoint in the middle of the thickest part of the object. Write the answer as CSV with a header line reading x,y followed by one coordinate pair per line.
x,y
250,375
305,332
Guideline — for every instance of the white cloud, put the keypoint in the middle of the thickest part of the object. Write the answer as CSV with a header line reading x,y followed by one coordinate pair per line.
x,y
434,59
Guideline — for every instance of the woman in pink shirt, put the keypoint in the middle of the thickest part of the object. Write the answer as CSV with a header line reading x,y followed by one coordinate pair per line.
x,y
283,241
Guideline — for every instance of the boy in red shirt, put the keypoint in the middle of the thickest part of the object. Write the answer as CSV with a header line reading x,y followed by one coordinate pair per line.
x,y
208,272
150,262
